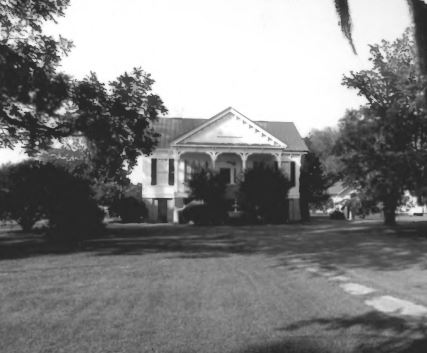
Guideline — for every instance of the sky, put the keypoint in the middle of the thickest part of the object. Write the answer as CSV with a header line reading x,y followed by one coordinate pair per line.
x,y
280,60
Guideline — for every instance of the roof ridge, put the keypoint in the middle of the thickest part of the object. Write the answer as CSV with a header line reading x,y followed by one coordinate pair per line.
x,y
258,121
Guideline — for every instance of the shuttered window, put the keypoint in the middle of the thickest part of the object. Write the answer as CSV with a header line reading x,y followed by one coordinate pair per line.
x,y
171,175
153,171
293,174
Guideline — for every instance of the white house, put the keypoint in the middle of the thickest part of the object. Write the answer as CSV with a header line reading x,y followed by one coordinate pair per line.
x,y
229,142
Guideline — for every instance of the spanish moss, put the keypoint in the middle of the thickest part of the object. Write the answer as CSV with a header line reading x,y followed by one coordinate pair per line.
x,y
345,20
419,16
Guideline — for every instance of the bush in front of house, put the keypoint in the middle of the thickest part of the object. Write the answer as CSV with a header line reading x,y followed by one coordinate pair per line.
x,y
21,191
34,190
196,213
209,187
337,214
71,209
263,195
129,208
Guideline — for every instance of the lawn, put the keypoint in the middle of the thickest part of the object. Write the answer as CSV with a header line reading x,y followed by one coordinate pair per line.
x,y
147,288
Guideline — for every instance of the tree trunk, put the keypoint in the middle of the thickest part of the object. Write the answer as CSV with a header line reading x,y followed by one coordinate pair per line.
x,y
390,213
305,209
26,224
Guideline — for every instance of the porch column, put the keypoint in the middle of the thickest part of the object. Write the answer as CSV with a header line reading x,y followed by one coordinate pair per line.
x,y
244,156
278,156
213,156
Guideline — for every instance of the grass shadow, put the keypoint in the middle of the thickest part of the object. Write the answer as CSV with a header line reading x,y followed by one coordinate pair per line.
x,y
383,333
322,242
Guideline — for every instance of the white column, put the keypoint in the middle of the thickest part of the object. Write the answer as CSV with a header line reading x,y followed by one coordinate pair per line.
x,y
278,157
294,192
213,156
181,175
244,157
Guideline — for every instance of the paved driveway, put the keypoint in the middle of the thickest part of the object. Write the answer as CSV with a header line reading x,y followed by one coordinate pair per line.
x,y
320,287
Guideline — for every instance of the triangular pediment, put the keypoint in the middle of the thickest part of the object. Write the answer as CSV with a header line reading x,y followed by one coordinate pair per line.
x,y
229,128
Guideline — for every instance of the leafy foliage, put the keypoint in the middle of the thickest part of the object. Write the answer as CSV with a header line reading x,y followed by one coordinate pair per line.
x,y
209,187
383,145
129,209
40,105
322,143
313,184
263,194
122,198
116,121
199,214
337,215
33,190
22,187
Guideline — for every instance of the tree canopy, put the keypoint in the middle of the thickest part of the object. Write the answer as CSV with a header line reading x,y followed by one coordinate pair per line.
x,y
40,105
321,142
383,145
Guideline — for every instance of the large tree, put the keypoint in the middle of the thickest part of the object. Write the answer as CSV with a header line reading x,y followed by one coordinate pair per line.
x,y
383,145
40,105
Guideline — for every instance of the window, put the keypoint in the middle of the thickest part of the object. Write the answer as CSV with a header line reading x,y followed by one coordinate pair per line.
x,y
153,171
293,174
225,174
171,175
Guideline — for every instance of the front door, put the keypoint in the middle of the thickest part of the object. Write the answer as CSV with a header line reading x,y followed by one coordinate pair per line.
x,y
162,211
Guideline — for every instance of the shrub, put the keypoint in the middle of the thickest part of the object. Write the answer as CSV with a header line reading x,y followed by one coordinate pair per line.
x,y
209,187
129,209
71,209
22,188
263,195
197,213
32,190
337,215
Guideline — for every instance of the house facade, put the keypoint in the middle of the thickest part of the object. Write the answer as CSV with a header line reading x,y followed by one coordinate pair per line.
x,y
229,143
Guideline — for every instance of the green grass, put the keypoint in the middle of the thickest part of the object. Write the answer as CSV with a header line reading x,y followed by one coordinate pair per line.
x,y
108,295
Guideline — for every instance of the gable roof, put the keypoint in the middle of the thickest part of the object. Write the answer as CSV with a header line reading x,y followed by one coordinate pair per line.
x,y
264,137
171,129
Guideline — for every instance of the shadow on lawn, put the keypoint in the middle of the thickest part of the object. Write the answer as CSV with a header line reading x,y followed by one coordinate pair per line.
x,y
381,334
322,242
372,332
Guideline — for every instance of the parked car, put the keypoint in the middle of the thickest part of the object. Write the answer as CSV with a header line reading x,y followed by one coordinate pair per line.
x,y
416,211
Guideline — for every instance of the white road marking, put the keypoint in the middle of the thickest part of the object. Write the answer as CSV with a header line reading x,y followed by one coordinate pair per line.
x,y
386,303
329,274
340,279
389,304
356,289
313,269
